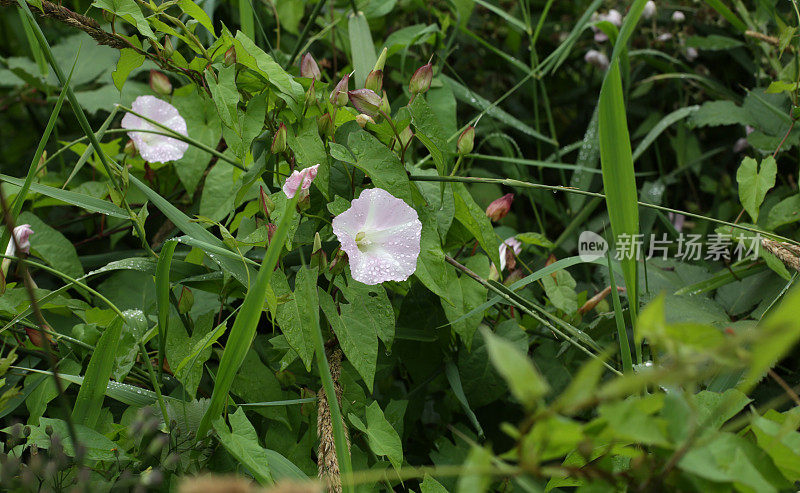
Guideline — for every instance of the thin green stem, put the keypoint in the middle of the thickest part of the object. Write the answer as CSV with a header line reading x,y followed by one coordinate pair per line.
x,y
154,382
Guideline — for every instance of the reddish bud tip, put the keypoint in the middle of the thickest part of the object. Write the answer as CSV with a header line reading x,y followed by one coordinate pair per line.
x,y
498,209
309,67
421,80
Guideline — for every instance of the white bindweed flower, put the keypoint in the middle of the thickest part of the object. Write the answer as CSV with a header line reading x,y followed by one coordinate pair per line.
x,y
506,254
381,236
649,10
22,235
596,58
678,16
152,147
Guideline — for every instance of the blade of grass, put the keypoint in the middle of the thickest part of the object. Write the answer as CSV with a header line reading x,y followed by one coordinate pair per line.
x,y
162,300
92,204
244,327
90,396
88,152
622,332
662,125
247,18
362,49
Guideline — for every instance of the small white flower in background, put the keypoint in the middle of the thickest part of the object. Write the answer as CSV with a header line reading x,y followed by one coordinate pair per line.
x,y
740,145
381,236
678,16
691,54
22,235
300,180
612,16
506,254
649,10
156,148
664,37
596,58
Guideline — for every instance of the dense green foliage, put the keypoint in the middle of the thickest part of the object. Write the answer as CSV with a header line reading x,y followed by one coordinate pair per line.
x,y
189,316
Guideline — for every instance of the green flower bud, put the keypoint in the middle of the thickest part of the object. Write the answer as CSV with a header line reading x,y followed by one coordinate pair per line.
x,y
381,60
279,140
325,125
230,56
339,94
160,83
374,81
466,141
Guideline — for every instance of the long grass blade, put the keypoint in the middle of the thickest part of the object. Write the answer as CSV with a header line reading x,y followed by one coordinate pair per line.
x,y
90,396
162,300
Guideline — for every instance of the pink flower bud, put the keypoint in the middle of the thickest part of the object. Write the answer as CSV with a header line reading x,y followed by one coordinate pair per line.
x,y
466,141
365,101
22,234
160,83
498,209
309,67
421,80
339,93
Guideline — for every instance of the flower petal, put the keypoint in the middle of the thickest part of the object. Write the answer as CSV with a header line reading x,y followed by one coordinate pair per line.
x,y
156,148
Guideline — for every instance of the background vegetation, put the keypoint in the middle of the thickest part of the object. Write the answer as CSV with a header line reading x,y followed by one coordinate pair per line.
x,y
149,336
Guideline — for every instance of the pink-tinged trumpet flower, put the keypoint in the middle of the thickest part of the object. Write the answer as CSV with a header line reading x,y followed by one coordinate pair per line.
x,y
153,147
22,235
309,67
508,250
300,181
498,209
381,236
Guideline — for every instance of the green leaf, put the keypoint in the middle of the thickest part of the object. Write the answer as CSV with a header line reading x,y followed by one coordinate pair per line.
x,y
251,56
265,388
561,291
466,295
362,50
241,441
196,13
129,59
716,113
380,164
180,346
224,94
382,438
97,446
217,201
128,10
784,212
474,219
52,246
203,125
90,397
297,315
713,42
357,340
429,131
430,485
754,183
91,204
522,377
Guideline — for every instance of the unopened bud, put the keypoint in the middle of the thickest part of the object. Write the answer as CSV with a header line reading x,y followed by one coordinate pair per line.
x,y
406,135
365,101
339,94
309,67
230,56
649,10
363,119
279,140
311,94
421,80
130,149
466,141
498,209
325,125
168,48
267,205
160,83
338,262
270,232
385,108
374,81
678,17
381,60
318,257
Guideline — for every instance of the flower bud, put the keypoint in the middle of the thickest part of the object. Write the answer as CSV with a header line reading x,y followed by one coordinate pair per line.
x,y
168,48
365,101
406,135
466,141
309,67
311,94
279,140
385,108
339,94
678,17
363,119
318,257
498,209
421,80
325,125
267,205
381,60
596,58
130,149
160,83
270,232
649,10
338,262
230,56
374,81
